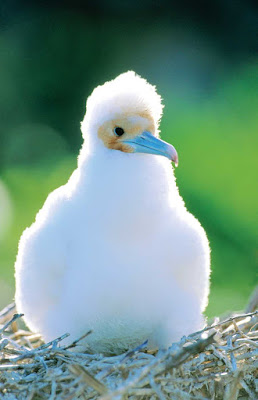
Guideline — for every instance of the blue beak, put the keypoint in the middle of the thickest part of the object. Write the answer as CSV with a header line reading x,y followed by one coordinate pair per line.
x,y
147,143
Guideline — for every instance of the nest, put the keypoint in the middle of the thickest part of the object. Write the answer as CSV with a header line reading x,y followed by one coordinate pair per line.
x,y
219,362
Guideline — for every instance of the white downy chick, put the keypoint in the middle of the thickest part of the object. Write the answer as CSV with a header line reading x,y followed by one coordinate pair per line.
x,y
115,250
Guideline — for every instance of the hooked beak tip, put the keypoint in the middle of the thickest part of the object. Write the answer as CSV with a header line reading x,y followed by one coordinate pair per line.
x,y
173,155
175,159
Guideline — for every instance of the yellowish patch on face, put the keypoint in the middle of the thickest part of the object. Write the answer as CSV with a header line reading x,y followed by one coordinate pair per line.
x,y
133,125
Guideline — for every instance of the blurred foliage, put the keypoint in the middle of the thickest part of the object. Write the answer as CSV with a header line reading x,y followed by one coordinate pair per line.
x,y
50,60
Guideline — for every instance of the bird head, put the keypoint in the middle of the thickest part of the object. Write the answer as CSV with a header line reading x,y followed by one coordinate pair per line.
x,y
124,115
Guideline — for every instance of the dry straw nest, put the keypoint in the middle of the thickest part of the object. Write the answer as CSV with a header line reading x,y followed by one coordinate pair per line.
x,y
219,362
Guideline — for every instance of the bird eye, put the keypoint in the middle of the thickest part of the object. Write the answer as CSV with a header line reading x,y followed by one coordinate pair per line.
x,y
119,131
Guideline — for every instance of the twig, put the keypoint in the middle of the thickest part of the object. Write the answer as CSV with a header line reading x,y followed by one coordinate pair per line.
x,y
14,318
226,322
87,378
75,342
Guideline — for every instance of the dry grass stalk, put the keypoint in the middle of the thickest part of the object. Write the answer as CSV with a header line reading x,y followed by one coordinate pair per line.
x,y
219,362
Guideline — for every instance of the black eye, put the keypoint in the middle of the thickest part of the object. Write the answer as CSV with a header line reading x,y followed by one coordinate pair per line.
x,y
119,131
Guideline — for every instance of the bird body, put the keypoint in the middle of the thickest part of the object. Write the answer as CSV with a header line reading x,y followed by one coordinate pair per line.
x,y
115,250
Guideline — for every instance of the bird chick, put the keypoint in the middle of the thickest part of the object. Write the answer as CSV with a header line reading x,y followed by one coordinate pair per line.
x,y
115,249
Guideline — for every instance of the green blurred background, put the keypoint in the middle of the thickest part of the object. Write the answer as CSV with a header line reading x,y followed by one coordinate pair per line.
x,y
203,59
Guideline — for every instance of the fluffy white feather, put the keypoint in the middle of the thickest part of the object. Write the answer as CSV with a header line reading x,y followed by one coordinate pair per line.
x,y
127,93
115,250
